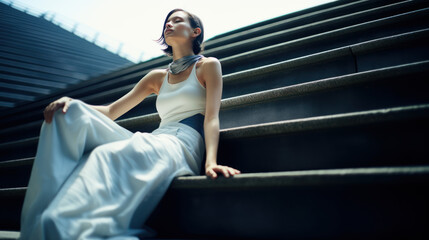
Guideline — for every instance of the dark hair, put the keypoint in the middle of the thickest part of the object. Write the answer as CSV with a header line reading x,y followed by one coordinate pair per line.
x,y
197,45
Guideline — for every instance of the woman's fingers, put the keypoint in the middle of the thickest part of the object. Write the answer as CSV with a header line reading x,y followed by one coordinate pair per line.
x,y
229,171
211,173
66,106
226,171
52,107
233,171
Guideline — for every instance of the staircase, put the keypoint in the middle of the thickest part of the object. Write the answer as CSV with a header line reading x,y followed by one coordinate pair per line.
x,y
325,111
38,58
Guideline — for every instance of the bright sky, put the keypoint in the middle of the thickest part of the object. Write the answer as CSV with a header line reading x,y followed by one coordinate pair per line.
x,y
136,23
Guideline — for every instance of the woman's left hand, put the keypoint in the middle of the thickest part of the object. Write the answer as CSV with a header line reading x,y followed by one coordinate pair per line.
x,y
225,170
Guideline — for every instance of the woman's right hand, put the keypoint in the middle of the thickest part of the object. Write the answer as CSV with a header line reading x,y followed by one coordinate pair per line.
x,y
54,106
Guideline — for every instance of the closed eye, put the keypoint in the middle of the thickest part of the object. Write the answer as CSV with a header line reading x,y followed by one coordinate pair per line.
x,y
176,19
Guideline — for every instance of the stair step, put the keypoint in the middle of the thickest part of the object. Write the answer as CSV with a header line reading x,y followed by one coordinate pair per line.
x,y
264,203
369,203
390,175
393,136
9,235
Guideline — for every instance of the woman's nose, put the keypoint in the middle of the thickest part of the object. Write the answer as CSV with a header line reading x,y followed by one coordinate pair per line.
x,y
168,25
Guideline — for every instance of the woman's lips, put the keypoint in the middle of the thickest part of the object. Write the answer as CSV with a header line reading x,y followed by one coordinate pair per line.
x,y
168,30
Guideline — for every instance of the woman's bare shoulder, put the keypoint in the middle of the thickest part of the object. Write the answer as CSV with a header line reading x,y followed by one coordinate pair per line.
x,y
210,59
209,62
205,60
157,73
155,78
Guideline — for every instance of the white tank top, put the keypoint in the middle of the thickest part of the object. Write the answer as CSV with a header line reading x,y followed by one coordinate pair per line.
x,y
178,101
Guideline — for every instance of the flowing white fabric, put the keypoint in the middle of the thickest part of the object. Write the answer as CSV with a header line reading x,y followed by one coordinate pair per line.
x,y
93,179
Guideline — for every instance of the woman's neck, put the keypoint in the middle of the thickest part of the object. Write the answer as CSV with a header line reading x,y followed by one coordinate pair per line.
x,y
179,52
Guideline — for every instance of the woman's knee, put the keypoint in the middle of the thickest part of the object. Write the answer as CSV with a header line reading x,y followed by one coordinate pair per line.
x,y
76,111
76,105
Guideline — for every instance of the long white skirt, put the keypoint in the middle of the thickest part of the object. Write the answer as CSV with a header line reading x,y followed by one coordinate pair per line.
x,y
93,179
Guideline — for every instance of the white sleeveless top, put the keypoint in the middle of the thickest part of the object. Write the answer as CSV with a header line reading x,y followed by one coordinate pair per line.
x,y
178,101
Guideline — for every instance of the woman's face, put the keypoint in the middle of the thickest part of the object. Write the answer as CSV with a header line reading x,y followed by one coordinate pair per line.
x,y
178,28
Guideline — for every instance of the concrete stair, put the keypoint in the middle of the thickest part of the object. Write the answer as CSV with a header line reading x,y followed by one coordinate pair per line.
x,y
324,111
39,58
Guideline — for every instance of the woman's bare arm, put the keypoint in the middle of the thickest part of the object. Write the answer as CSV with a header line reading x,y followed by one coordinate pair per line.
x,y
212,74
141,90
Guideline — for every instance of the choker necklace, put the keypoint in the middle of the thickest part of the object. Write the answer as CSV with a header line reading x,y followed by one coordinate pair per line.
x,y
180,65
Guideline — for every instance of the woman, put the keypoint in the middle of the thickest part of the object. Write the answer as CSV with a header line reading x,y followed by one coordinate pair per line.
x,y
91,178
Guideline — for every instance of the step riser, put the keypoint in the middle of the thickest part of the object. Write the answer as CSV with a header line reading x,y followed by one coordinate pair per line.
x,y
15,176
330,212
11,212
382,144
12,134
396,54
